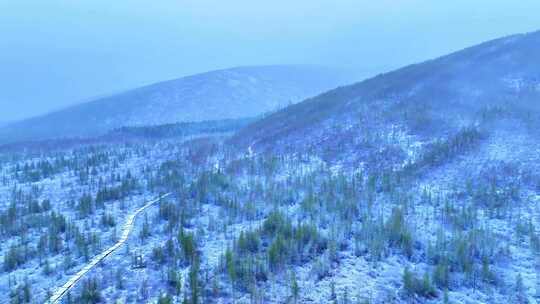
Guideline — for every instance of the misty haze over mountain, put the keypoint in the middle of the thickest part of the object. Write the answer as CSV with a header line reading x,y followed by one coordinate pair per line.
x,y
101,47
234,93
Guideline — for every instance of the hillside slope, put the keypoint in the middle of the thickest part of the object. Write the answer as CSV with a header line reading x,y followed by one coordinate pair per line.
x,y
450,150
224,94
412,106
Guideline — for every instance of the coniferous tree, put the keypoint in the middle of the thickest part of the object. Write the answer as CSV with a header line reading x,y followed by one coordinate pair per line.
x,y
295,289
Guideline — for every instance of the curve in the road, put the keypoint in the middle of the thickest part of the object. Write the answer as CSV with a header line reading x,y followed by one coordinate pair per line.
x,y
126,230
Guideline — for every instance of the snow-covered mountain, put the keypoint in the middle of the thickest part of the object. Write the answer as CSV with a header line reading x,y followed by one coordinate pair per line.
x,y
419,103
454,144
223,94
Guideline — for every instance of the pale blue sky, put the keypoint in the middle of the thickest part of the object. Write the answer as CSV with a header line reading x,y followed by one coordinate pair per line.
x,y
58,52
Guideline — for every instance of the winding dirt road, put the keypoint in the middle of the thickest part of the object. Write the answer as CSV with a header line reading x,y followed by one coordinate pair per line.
x,y
126,230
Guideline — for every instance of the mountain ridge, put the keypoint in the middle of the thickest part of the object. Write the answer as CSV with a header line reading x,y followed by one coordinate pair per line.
x,y
437,96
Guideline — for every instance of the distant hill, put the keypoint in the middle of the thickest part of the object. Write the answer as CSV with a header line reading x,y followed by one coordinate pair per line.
x,y
223,94
491,86
181,130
